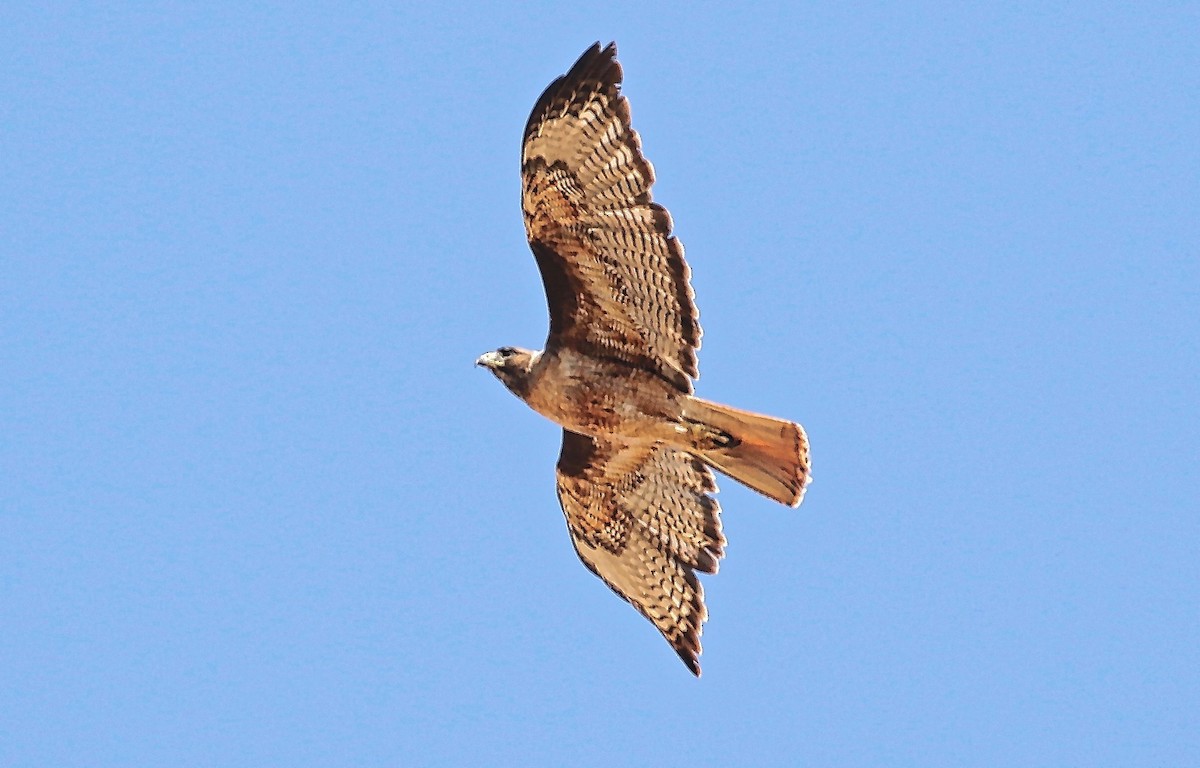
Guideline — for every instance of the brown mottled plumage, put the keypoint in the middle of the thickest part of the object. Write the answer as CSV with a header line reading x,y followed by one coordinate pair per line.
x,y
634,476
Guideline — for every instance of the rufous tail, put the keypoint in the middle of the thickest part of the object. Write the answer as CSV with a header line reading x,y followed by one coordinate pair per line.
x,y
764,453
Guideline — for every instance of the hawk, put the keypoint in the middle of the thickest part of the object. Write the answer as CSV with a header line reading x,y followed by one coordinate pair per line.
x,y
635,473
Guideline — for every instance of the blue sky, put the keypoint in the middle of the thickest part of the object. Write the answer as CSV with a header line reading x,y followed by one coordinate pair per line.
x,y
257,507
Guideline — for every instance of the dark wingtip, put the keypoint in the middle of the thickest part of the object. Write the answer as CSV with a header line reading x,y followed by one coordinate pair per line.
x,y
605,51
596,63
690,660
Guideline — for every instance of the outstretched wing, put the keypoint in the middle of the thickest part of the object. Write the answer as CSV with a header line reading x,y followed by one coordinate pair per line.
x,y
642,519
615,278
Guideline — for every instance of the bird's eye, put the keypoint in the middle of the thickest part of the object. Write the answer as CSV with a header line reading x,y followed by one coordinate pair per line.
x,y
506,351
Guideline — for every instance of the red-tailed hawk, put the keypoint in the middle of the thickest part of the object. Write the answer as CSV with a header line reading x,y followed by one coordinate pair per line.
x,y
635,472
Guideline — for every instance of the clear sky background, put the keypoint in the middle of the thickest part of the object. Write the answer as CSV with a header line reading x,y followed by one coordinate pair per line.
x,y
257,507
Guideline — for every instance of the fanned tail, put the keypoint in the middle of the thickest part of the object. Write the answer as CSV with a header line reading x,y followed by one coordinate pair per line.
x,y
764,453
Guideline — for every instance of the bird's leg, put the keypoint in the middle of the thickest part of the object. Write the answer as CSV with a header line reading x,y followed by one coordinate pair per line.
x,y
704,437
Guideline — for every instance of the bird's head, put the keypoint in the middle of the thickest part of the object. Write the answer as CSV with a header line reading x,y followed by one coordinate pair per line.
x,y
512,366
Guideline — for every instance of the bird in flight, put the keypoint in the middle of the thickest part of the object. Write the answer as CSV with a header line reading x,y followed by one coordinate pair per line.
x,y
635,474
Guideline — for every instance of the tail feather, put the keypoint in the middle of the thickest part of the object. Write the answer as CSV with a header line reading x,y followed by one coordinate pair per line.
x,y
766,454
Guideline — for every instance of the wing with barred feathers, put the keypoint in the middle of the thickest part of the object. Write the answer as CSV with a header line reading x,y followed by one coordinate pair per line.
x,y
642,518
615,278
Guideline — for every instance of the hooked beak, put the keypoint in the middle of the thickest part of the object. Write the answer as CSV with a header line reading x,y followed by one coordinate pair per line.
x,y
491,360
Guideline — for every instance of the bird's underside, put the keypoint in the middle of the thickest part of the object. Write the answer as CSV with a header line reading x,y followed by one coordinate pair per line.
x,y
634,475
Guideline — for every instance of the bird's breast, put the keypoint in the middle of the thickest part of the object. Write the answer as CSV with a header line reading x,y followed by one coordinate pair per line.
x,y
599,397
